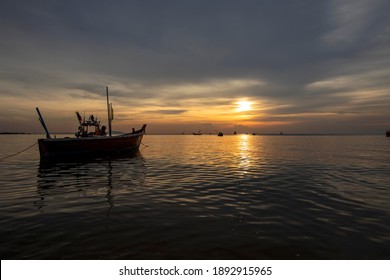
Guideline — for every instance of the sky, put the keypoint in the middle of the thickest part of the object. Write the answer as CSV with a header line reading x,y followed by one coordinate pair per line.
x,y
181,66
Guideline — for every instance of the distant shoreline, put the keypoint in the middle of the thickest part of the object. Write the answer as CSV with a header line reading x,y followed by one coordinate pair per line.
x,y
210,134
16,133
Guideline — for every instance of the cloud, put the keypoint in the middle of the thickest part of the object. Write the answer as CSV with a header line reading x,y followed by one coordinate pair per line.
x,y
352,21
168,112
369,80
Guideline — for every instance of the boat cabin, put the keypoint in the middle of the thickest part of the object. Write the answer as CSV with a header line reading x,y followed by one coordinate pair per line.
x,y
90,127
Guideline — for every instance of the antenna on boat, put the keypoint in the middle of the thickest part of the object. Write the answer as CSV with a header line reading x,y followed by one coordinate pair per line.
x,y
109,114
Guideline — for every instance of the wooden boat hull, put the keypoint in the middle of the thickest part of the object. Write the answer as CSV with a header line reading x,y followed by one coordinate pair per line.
x,y
89,146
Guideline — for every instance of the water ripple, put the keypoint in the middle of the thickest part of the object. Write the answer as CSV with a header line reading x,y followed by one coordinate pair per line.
x,y
190,197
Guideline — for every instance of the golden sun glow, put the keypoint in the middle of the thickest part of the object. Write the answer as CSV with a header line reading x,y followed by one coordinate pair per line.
x,y
243,106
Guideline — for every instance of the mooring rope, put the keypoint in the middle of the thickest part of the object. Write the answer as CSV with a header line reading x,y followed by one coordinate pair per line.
x,y
19,151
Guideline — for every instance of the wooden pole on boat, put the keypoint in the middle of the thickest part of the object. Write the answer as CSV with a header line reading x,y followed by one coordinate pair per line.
x,y
43,123
108,114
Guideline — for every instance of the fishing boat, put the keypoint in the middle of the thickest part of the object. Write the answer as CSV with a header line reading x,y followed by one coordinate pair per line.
x,y
91,139
220,134
197,133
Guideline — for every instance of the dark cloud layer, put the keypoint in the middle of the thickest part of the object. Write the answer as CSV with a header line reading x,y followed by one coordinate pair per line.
x,y
299,56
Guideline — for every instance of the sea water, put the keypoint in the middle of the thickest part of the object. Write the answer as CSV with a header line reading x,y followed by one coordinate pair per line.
x,y
200,197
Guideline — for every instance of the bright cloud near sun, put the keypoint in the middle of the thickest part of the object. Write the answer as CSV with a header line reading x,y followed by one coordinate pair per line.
x,y
215,86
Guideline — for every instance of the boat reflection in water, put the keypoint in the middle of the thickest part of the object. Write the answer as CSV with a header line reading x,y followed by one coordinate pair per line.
x,y
88,184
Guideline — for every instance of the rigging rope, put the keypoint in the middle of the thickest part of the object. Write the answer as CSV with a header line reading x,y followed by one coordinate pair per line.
x,y
19,151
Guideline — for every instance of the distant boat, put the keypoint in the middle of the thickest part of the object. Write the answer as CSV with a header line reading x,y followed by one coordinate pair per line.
x,y
197,133
220,134
95,142
388,133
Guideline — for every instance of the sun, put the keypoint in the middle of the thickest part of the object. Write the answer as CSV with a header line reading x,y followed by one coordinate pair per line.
x,y
243,106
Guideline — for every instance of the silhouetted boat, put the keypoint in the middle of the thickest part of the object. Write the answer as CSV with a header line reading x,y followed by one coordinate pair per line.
x,y
220,134
89,143
388,133
197,133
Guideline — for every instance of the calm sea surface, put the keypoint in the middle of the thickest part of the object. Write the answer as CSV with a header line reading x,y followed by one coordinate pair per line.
x,y
201,197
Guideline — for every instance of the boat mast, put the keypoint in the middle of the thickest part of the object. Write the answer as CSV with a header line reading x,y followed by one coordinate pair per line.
x,y
43,123
108,113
